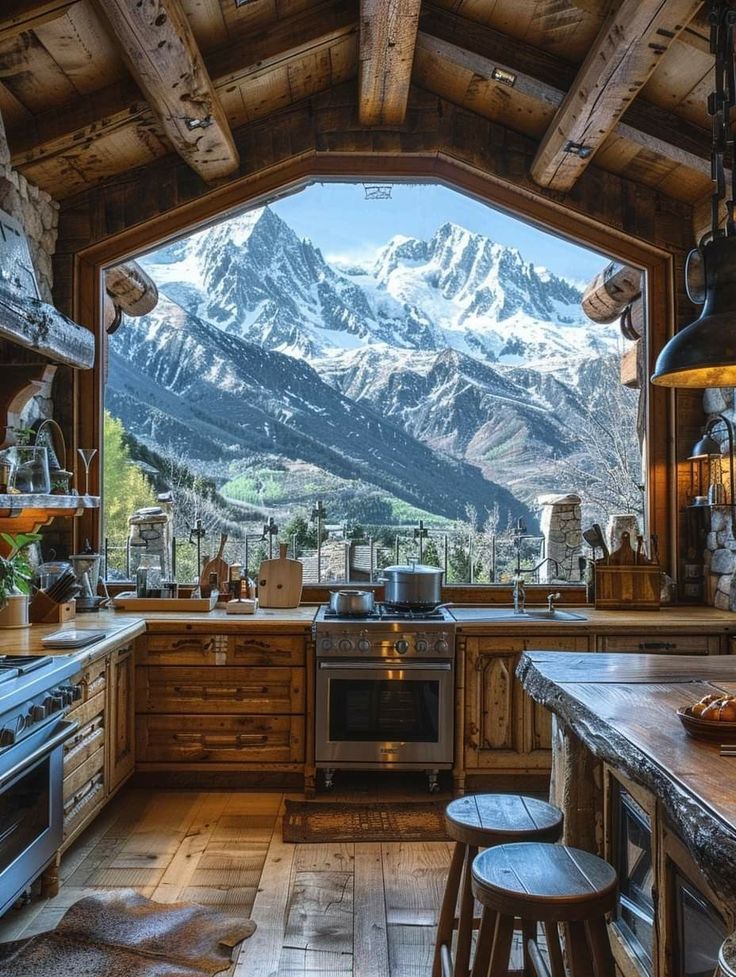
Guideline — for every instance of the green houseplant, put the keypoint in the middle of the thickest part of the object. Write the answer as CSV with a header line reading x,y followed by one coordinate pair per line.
x,y
15,579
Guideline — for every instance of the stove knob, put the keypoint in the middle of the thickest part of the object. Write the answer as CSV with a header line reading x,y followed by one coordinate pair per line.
x,y
401,646
326,644
7,736
364,645
441,646
422,646
71,692
345,644
53,703
37,713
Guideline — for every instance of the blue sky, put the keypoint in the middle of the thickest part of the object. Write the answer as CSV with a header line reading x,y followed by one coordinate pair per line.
x,y
347,227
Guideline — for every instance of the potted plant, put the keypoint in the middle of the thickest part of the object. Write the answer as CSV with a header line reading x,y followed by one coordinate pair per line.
x,y
15,579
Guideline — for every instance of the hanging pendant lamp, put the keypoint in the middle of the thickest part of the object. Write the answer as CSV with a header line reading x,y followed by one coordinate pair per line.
x,y
703,354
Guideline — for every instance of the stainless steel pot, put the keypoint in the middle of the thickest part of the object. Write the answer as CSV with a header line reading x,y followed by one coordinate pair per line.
x,y
415,587
358,603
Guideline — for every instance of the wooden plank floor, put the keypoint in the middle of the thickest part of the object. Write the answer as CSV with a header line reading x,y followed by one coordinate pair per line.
x,y
339,910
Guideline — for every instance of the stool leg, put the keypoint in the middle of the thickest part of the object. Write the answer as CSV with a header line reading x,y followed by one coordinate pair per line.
x,y
528,932
556,962
446,922
484,944
577,950
502,947
465,926
600,947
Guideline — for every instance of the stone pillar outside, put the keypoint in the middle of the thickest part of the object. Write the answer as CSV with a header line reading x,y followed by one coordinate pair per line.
x,y
561,527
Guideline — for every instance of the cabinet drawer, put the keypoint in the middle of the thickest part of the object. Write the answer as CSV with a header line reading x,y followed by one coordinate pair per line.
x,y
84,773
181,648
220,739
266,649
83,744
257,691
515,644
661,644
92,682
83,803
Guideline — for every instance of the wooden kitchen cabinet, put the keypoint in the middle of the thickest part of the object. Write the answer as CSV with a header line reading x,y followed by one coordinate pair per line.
x,y
85,754
504,730
224,702
655,643
121,726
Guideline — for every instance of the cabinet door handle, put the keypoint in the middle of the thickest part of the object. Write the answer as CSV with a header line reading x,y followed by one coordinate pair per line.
x,y
656,645
204,647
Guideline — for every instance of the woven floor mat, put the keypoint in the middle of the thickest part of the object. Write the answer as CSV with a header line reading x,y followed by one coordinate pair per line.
x,y
315,821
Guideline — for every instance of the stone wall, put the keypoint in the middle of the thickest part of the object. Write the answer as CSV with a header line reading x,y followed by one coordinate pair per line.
x,y
719,556
36,211
560,525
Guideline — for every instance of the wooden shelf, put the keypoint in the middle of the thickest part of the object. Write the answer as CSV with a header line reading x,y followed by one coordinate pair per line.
x,y
28,513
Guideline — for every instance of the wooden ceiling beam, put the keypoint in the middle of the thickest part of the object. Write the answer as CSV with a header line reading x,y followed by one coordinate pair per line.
x,y
162,55
55,132
546,78
17,16
388,32
626,52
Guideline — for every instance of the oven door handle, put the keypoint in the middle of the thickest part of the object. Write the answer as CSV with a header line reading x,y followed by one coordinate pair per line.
x,y
68,728
388,666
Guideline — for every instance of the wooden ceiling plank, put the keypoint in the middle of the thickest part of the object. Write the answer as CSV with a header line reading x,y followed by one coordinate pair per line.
x,y
388,32
159,48
623,57
56,132
18,16
545,78
82,47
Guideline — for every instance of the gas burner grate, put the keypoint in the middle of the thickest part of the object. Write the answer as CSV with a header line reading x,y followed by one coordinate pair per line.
x,y
382,612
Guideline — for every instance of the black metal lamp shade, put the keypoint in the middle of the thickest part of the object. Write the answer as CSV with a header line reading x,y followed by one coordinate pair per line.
x,y
704,353
706,447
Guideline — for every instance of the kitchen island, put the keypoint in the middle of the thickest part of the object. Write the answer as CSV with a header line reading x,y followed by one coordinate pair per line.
x,y
630,779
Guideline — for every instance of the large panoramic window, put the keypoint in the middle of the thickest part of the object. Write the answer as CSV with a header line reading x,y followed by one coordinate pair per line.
x,y
371,374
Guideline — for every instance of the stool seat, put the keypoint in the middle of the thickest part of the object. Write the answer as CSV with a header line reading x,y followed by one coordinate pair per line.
x,y
483,820
544,882
540,883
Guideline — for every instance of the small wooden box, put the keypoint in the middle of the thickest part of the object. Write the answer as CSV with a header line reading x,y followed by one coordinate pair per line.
x,y
628,588
44,610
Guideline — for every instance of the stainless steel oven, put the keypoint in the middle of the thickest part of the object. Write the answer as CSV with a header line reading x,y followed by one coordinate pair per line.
x,y
31,814
384,693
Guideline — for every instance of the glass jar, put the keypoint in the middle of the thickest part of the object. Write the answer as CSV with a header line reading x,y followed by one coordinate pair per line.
x,y
31,470
149,577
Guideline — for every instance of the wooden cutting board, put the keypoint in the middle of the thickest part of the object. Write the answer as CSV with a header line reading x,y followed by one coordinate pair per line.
x,y
218,566
280,581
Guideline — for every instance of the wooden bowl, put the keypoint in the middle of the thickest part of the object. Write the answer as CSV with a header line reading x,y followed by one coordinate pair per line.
x,y
706,729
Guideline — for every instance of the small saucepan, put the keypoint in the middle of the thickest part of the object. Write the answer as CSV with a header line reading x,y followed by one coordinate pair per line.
x,y
351,603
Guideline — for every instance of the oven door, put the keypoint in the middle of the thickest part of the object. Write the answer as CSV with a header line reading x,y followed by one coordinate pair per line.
x,y
31,811
384,713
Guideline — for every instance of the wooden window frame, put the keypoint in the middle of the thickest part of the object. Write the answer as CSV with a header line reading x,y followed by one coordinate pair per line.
x,y
544,213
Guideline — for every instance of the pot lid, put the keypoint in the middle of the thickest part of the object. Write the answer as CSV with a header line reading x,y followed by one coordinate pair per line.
x,y
414,568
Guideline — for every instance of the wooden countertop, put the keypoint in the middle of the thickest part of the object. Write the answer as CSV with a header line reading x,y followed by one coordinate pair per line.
x,y
624,710
685,619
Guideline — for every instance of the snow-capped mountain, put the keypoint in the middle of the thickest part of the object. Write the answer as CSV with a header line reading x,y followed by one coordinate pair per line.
x,y
448,372
255,278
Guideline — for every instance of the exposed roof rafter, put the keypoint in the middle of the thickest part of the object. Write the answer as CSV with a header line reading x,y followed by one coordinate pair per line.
x,y
626,52
388,33
158,45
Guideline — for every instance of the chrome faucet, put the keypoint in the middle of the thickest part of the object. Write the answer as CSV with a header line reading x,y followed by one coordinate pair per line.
x,y
519,595
551,598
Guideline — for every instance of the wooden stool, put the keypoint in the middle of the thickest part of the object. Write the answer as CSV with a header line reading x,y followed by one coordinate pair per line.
x,y
473,822
540,883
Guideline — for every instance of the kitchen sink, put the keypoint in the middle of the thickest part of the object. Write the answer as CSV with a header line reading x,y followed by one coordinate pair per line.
x,y
506,614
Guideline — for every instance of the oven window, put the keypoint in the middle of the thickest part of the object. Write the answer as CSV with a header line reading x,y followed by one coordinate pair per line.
x,y
365,710
633,862
24,813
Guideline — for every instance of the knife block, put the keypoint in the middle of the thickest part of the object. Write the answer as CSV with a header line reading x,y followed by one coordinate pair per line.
x,y
45,610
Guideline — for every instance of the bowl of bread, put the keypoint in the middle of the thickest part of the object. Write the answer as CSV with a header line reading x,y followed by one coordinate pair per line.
x,y
711,718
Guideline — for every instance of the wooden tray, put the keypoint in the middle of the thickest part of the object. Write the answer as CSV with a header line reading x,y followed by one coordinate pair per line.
x,y
129,602
706,729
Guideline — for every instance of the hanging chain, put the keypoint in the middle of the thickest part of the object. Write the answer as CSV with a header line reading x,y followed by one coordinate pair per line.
x,y
721,103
